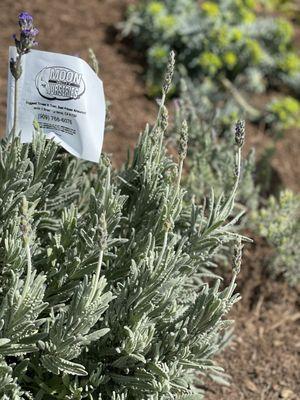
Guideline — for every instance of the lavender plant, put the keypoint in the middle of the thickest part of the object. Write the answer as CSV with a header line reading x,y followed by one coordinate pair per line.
x,y
279,223
104,289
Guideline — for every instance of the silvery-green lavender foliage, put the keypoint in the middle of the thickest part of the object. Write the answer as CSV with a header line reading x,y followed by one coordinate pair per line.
x,y
221,44
279,223
211,156
102,274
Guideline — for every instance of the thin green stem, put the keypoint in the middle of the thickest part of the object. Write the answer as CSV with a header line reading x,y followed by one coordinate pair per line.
x,y
235,187
16,97
29,269
179,174
231,286
14,130
238,176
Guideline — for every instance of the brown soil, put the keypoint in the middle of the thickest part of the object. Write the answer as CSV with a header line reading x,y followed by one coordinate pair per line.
x,y
264,358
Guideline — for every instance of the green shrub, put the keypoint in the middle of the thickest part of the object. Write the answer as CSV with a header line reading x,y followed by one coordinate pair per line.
x,y
279,223
286,6
220,43
284,113
103,286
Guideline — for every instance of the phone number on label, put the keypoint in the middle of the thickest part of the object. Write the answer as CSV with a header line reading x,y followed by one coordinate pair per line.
x,y
53,118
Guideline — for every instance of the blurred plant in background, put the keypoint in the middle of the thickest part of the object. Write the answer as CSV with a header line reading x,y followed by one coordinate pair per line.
x,y
222,45
289,7
211,156
284,112
279,223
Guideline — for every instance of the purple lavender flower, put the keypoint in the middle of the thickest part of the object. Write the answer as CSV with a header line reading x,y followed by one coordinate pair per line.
x,y
27,39
27,33
24,43
25,20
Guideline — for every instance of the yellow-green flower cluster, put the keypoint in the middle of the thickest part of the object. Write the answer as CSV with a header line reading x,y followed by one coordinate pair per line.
x,y
210,62
236,35
210,8
287,111
244,10
248,17
290,63
167,21
255,50
230,59
155,8
162,19
220,35
159,53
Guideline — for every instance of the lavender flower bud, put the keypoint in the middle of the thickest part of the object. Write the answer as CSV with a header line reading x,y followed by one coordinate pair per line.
x,y
169,73
240,133
25,225
164,119
103,232
237,256
94,63
25,20
183,140
27,40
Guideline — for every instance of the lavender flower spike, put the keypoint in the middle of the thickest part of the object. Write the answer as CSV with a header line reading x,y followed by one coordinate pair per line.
x,y
23,43
27,33
25,20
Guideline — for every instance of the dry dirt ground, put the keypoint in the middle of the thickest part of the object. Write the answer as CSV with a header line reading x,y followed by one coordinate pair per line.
x,y
264,358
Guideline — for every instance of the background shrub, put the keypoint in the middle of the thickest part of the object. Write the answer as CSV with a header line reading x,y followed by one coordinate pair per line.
x,y
224,45
279,223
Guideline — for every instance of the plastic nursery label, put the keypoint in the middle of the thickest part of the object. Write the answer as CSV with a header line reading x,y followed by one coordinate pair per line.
x,y
65,96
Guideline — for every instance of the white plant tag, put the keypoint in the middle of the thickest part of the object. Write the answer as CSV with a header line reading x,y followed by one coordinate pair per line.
x,y
65,96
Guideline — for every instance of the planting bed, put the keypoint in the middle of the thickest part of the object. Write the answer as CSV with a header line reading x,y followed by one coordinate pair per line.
x,y
264,358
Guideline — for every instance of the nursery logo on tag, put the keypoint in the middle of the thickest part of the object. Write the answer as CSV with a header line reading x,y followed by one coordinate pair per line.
x,y
59,83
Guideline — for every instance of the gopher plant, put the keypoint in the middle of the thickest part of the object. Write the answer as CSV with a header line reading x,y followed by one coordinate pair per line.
x,y
224,46
104,290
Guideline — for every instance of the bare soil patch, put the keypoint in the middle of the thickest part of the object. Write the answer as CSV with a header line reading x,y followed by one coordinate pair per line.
x,y
263,359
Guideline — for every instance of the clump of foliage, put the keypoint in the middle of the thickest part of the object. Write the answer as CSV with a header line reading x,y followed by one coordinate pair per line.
x,y
279,223
221,44
103,280
285,112
286,6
